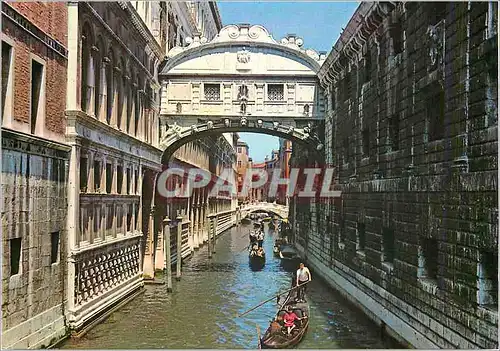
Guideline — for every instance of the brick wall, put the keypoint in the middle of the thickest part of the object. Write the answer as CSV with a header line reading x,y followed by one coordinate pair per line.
x,y
418,170
50,18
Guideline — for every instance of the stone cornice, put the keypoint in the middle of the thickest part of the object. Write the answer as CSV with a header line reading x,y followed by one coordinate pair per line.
x,y
120,41
349,46
90,122
32,144
142,28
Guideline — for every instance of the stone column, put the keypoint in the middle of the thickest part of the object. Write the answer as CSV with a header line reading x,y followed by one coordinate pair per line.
x,y
73,205
73,63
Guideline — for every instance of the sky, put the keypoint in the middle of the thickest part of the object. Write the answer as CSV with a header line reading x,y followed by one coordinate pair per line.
x,y
318,23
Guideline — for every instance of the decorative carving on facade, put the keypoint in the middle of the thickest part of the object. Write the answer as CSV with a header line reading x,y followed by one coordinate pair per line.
x,y
100,270
435,40
243,56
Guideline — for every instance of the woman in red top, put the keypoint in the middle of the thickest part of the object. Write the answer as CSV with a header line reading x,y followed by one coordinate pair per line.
x,y
289,318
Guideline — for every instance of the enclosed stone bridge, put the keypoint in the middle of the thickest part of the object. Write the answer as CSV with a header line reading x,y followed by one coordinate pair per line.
x,y
241,81
277,209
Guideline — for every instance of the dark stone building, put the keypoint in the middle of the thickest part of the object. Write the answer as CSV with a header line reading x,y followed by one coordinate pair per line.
x,y
411,130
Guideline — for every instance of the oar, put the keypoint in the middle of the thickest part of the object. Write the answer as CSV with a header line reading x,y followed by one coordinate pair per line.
x,y
272,298
258,334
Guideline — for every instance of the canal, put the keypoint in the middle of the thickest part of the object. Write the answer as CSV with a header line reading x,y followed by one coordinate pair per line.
x,y
202,310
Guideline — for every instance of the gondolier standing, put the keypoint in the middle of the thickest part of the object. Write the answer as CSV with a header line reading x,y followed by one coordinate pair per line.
x,y
303,276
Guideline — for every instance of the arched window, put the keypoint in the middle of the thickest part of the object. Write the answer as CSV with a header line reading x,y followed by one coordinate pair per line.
x,y
109,87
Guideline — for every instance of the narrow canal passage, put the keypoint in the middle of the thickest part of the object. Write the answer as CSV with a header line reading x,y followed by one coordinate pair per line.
x,y
201,312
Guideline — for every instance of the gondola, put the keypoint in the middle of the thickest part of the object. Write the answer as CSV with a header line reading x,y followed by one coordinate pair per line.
x,y
256,261
281,339
278,243
289,257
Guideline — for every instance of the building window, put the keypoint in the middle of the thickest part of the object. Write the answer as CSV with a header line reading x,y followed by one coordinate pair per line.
x,y
346,150
6,81
109,177
178,108
119,180
212,92
397,37
368,66
36,92
239,149
332,99
345,85
15,255
488,278
129,218
83,174
394,132
136,181
366,142
129,180
435,109
388,242
428,260
361,239
54,245
97,176
239,163
109,87
275,92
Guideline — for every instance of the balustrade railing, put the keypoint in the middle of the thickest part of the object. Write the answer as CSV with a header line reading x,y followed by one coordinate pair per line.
x,y
100,269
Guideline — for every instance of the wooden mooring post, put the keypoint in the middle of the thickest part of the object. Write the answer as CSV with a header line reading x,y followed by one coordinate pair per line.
x,y
209,233
179,247
168,257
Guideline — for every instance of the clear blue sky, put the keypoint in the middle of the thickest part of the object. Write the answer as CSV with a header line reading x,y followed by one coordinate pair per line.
x,y
318,23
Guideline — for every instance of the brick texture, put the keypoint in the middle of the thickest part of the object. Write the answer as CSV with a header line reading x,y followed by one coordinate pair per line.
x,y
438,181
51,18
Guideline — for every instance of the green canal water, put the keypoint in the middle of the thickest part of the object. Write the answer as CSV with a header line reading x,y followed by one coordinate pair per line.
x,y
202,310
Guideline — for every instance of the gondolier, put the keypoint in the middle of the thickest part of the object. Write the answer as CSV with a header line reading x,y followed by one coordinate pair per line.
x,y
303,275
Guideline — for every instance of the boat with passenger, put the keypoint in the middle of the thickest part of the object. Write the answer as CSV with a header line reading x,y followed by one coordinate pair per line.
x,y
285,330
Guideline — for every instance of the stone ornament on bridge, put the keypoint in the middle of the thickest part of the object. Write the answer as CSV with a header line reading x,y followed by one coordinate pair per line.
x,y
248,33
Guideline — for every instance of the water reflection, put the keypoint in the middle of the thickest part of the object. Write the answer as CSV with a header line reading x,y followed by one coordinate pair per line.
x,y
202,310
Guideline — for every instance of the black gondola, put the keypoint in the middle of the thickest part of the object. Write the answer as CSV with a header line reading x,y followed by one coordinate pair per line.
x,y
256,260
289,257
280,339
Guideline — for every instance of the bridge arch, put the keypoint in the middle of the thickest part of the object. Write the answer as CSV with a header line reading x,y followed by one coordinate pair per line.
x,y
241,81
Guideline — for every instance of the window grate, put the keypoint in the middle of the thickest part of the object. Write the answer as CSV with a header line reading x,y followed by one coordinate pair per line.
x,y
275,92
212,92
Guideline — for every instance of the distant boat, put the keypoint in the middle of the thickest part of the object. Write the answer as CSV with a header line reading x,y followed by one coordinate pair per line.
x,y
256,260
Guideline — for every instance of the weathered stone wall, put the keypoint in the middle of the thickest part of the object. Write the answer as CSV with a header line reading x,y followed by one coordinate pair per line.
x,y
34,175
34,188
412,133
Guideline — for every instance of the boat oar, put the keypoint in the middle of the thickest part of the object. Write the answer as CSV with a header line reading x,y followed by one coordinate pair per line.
x,y
272,298
258,334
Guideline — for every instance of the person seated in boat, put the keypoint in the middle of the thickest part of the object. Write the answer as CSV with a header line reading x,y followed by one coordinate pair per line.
x,y
260,238
275,326
260,252
289,318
